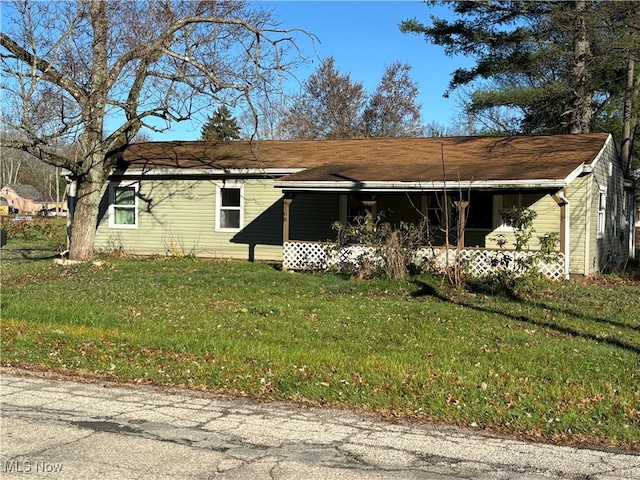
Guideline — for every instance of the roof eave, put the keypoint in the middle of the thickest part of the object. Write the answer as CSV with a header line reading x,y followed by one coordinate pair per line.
x,y
177,172
587,168
330,186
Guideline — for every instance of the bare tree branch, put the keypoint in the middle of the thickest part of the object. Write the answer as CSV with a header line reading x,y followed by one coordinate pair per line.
x,y
95,73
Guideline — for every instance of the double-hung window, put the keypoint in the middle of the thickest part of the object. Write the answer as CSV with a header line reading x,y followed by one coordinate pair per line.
x,y
602,208
123,205
504,203
229,207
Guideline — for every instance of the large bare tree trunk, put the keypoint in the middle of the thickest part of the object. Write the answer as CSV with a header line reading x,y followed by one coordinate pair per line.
x,y
627,114
92,179
630,115
90,189
136,62
580,108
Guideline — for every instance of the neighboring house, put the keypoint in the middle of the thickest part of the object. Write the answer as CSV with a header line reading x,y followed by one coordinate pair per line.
x,y
253,200
25,198
4,206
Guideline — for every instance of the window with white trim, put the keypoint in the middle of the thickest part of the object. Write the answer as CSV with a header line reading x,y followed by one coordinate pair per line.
x,y
229,207
123,205
504,203
602,205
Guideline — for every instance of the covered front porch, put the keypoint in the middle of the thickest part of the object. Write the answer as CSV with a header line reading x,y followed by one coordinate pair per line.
x,y
463,226
313,256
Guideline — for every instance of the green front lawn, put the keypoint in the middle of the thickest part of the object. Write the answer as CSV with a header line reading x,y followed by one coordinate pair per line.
x,y
562,366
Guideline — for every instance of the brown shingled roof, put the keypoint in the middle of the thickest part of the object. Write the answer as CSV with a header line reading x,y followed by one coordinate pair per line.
x,y
397,159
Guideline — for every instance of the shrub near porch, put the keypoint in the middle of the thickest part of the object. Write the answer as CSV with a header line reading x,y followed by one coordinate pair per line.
x,y
561,365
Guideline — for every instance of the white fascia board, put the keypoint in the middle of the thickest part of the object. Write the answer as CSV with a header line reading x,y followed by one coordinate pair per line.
x,y
582,169
585,168
420,186
205,171
589,168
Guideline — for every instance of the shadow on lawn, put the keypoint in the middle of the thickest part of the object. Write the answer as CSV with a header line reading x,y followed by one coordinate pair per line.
x,y
575,313
31,254
424,289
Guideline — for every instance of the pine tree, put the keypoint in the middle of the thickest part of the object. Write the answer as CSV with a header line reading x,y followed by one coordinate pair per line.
x,y
559,67
221,126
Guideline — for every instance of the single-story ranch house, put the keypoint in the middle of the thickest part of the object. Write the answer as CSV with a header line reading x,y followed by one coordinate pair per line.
x,y
277,200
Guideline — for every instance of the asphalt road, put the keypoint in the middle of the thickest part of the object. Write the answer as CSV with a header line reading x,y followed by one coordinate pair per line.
x,y
57,429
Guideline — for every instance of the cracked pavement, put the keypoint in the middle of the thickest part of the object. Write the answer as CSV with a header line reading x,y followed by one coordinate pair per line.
x,y
69,430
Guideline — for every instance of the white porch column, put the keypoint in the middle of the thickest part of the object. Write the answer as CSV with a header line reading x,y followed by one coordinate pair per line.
x,y
565,229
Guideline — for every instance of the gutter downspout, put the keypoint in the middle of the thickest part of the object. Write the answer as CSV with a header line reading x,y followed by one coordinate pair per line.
x,y
567,233
632,227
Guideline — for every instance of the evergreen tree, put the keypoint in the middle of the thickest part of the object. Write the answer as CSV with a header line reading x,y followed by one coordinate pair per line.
x,y
221,126
559,67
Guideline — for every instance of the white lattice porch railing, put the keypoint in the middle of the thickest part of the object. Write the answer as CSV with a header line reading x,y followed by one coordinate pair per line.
x,y
476,262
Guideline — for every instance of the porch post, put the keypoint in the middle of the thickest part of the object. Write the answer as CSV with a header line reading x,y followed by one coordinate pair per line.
x,y
565,229
563,226
370,208
288,198
461,206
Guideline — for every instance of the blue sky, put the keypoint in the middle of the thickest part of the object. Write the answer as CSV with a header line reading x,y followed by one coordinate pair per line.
x,y
363,37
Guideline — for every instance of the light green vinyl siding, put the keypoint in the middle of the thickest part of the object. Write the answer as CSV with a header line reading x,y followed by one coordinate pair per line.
x,y
547,221
592,252
578,193
177,217
609,249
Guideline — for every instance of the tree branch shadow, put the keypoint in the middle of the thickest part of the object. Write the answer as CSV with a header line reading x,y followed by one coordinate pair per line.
x,y
30,254
424,289
580,315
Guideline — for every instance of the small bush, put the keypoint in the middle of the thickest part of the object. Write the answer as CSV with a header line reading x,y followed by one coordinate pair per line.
x,y
394,245
518,277
630,271
52,231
